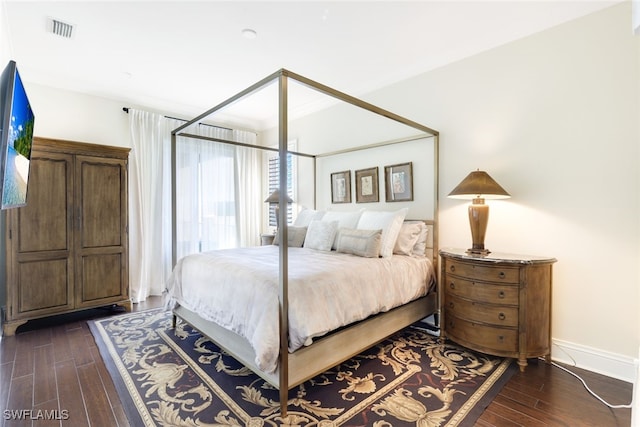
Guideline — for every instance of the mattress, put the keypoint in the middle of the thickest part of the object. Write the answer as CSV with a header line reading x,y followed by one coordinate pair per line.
x,y
238,289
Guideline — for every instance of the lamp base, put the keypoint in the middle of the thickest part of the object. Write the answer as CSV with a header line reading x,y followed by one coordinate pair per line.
x,y
478,252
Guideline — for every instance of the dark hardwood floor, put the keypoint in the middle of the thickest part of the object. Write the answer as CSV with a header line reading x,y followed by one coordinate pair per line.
x,y
53,365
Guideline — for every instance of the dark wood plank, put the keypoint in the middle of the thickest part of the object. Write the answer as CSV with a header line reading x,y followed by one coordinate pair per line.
x,y
5,384
23,364
20,402
70,394
47,414
110,389
44,376
546,395
98,406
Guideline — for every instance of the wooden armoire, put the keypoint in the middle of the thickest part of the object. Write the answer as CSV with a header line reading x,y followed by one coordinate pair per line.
x,y
67,249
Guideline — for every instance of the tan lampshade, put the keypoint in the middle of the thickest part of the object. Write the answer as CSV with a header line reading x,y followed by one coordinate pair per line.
x,y
478,184
275,197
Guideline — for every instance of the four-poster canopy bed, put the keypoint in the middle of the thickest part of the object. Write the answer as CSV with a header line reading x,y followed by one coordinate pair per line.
x,y
289,277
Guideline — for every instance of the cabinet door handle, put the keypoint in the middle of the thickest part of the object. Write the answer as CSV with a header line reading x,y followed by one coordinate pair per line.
x,y
502,275
501,295
501,316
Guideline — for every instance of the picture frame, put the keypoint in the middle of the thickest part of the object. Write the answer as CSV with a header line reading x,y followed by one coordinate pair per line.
x,y
399,182
341,187
367,185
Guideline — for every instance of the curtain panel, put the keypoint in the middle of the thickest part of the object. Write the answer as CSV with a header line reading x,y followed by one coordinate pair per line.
x,y
218,189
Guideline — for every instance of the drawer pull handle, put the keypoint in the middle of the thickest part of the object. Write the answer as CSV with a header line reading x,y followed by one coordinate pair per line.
x,y
451,305
502,275
501,295
452,285
501,316
452,268
451,324
501,338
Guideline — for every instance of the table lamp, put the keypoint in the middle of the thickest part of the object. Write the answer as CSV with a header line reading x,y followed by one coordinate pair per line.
x,y
477,186
274,198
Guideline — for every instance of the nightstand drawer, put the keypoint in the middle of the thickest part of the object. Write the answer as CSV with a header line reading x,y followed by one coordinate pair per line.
x,y
481,292
485,313
500,339
484,272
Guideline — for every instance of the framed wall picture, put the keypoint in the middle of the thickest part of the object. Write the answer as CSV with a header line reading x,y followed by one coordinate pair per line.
x,y
341,187
367,185
398,181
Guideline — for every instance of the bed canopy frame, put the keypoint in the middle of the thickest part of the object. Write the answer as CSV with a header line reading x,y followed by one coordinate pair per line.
x,y
295,368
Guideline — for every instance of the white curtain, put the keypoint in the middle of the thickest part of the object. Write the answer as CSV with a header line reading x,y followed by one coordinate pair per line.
x,y
149,209
249,189
218,191
206,215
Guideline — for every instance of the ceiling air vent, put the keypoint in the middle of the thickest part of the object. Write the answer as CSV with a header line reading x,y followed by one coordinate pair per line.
x,y
59,28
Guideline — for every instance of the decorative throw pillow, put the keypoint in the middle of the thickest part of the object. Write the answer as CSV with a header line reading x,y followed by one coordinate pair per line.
x,y
388,222
407,238
345,220
320,235
295,236
364,243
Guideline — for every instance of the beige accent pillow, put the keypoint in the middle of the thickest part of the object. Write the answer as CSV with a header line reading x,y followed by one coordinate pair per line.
x,y
295,236
364,243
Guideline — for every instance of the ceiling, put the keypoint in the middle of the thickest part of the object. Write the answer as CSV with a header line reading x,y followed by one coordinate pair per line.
x,y
183,57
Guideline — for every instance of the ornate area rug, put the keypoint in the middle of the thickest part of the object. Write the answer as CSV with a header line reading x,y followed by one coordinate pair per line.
x,y
169,377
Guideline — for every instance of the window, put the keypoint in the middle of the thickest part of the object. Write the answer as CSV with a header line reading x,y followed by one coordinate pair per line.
x,y
273,171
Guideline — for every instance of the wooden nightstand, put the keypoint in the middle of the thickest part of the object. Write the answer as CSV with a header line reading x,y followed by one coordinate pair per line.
x,y
498,304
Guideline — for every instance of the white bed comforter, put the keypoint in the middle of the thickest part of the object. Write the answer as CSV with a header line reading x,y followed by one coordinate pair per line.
x,y
238,289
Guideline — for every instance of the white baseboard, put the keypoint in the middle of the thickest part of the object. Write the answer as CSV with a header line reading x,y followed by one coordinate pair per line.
x,y
602,362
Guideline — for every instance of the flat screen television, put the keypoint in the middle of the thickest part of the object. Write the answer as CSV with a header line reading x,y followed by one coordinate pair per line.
x,y
16,130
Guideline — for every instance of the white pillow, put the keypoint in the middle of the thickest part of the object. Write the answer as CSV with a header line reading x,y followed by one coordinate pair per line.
x,y
407,238
295,236
365,243
388,222
320,235
305,216
345,219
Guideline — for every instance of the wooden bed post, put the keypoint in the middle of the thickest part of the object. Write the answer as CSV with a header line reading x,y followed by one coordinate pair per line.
x,y
284,267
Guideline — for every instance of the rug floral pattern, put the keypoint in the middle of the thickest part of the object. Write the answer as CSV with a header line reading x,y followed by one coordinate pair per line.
x,y
179,378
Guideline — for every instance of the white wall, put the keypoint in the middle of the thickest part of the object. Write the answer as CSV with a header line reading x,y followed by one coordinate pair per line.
x,y
554,119
62,114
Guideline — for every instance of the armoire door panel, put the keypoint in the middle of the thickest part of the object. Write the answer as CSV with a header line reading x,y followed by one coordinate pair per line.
x,y
44,223
101,202
101,276
45,285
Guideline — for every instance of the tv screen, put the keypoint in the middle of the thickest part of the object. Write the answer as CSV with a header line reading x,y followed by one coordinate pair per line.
x,y
17,138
